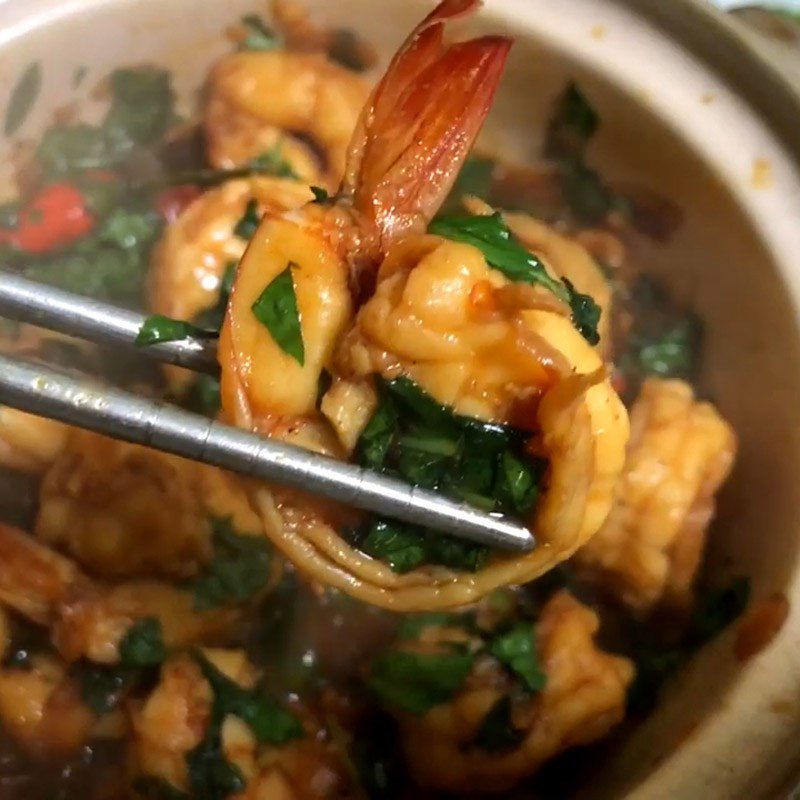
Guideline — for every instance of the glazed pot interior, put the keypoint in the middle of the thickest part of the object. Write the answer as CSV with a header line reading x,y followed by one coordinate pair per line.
x,y
668,122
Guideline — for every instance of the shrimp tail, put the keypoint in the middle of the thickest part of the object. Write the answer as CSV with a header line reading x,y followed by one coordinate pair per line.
x,y
420,123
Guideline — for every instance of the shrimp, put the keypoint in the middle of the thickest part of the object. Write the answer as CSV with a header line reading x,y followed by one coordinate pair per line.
x,y
88,619
583,698
175,718
296,104
42,708
123,510
189,263
404,157
29,443
650,547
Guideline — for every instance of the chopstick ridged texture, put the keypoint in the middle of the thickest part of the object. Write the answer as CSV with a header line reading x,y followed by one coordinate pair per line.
x,y
124,416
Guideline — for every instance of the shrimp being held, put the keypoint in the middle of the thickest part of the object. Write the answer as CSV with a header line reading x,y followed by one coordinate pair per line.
x,y
433,311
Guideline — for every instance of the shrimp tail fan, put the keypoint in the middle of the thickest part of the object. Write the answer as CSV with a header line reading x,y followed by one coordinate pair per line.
x,y
420,123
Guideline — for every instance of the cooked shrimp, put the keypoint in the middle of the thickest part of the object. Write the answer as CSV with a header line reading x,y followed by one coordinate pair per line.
x,y
190,261
567,257
122,510
88,619
29,443
41,707
177,715
404,158
650,547
296,104
583,698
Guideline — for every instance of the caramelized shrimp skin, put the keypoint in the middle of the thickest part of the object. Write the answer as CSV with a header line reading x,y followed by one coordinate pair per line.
x,y
582,700
650,547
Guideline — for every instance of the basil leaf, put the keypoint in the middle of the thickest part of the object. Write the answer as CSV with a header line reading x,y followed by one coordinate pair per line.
x,y
500,248
320,195
424,408
572,126
474,178
518,484
400,546
716,608
248,224
211,775
142,106
157,328
672,354
653,668
239,571
276,309
102,688
416,682
585,313
23,97
128,230
259,35
497,732
377,437
269,721
405,547
203,396
272,162
143,644
517,650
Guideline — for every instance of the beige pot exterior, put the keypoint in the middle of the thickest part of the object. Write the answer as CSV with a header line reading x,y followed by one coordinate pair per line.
x,y
707,123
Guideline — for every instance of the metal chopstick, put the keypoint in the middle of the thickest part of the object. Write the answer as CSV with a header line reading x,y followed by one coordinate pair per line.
x,y
124,416
47,307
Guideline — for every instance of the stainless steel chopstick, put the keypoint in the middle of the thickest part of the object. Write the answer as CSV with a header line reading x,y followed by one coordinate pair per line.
x,y
124,416
47,307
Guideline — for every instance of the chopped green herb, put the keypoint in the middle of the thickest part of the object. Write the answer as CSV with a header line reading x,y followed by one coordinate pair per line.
x,y
63,149
143,644
425,409
259,35
149,787
203,396
415,682
474,178
672,355
377,437
497,732
269,721
503,251
716,608
320,195
211,775
517,650
518,483
572,126
405,547
276,309
157,328
500,248
272,162
23,97
102,688
142,106
588,197
127,229
239,571
585,313
248,224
